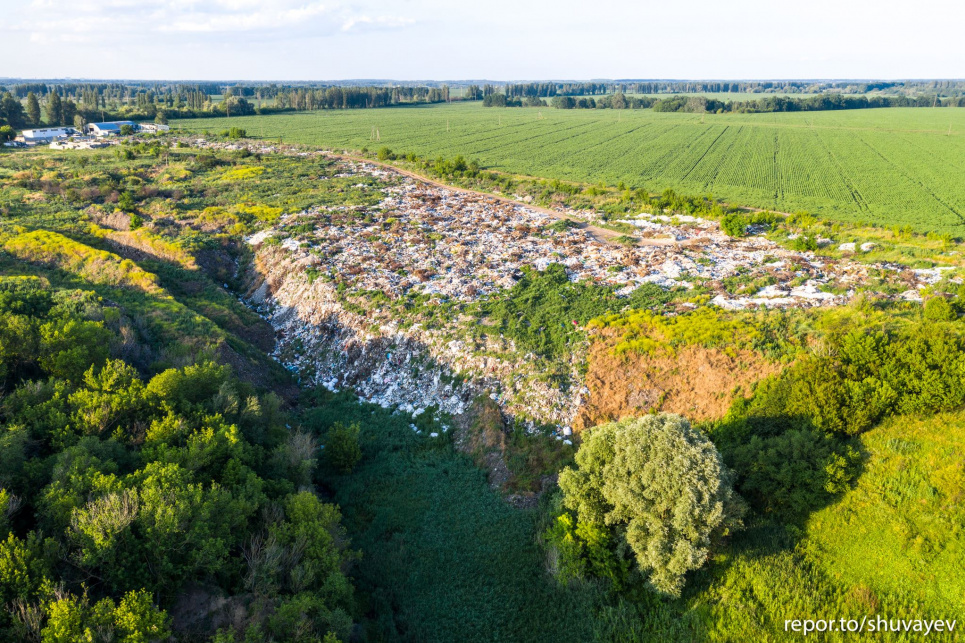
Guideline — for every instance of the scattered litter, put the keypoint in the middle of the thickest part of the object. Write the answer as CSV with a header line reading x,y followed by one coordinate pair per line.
x,y
427,240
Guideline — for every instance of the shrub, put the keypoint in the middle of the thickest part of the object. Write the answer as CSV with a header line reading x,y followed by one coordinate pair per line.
x,y
804,243
264,213
939,309
68,348
586,549
134,620
98,266
733,225
243,173
342,448
126,202
793,473
183,389
866,376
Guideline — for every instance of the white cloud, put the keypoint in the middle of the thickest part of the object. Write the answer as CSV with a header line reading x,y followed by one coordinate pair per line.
x,y
237,20
79,21
378,22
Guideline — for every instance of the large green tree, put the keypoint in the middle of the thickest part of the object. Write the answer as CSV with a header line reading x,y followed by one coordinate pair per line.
x,y
55,109
11,111
33,109
658,486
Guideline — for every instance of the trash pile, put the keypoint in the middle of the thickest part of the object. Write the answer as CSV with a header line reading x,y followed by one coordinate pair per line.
x,y
413,369
433,241
454,246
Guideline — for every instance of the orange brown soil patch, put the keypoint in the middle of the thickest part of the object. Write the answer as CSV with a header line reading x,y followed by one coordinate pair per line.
x,y
695,382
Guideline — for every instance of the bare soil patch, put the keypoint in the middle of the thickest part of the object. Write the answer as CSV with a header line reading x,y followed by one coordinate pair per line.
x,y
695,382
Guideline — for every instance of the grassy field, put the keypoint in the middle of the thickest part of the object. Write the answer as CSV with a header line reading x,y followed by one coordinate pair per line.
x,y
899,532
891,546
896,166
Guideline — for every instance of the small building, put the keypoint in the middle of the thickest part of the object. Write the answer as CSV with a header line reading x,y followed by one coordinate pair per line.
x,y
48,134
112,128
154,127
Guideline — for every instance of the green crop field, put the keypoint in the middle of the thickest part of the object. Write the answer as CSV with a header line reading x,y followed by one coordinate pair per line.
x,y
892,166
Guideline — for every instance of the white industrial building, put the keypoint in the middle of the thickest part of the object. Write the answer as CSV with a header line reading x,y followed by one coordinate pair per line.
x,y
48,134
112,128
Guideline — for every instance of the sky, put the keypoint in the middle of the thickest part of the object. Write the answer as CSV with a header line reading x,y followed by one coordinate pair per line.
x,y
488,39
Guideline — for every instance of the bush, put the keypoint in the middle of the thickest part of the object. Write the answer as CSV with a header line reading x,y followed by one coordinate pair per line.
x,y
342,448
804,243
235,132
68,348
126,202
939,309
586,549
733,225
134,620
866,376
793,473
657,485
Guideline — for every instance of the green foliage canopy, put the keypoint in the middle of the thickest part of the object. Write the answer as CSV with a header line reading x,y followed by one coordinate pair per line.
x,y
658,485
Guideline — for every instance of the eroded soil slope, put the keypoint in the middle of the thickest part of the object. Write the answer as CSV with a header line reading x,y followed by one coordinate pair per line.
x,y
696,382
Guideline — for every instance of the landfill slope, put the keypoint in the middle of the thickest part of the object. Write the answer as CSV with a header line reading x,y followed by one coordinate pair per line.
x,y
336,282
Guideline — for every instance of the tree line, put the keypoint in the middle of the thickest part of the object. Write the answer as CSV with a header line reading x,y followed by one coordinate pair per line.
x,y
823,102
357,97
704,104
545,89
39,105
